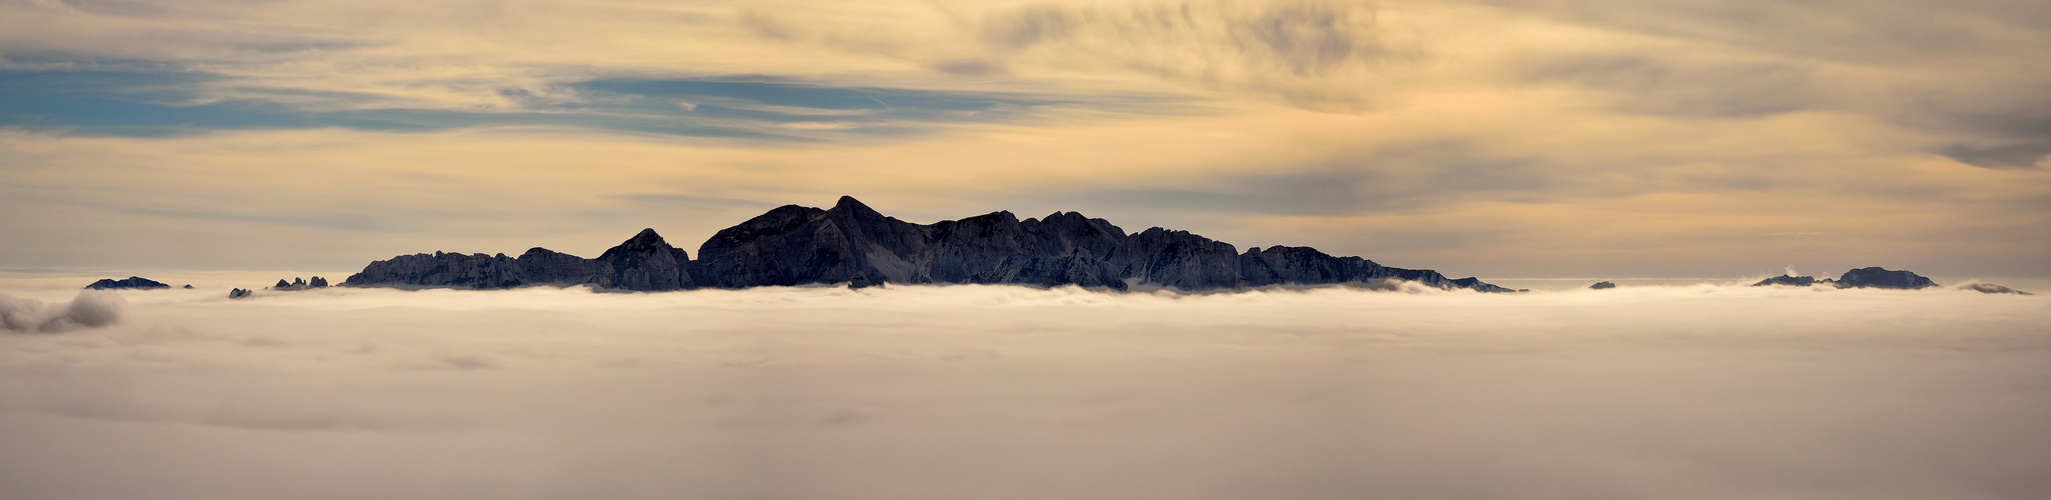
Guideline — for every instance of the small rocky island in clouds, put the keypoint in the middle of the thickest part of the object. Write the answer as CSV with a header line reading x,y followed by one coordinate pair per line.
x,y
132,283
1865,277
283,286
1876,277
851,243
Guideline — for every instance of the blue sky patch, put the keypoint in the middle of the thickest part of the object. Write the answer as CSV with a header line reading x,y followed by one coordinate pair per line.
x,y
167,103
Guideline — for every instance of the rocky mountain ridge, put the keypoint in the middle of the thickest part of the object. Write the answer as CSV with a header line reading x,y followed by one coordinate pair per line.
x,y
1865,277
131,283
854,244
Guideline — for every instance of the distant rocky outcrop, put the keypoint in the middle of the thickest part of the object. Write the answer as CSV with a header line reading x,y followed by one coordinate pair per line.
x,y
1865,277
1874,277
854,244
188,287
300,284
1602,285
1991,288
132,283
239,293
1786,280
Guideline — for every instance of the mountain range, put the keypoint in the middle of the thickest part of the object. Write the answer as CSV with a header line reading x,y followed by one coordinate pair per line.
x,y
854,244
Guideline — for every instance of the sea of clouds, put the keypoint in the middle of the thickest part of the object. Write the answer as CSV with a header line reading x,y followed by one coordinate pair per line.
x,y
998,392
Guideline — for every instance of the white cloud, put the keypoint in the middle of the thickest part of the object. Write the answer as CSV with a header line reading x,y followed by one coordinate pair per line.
x,y
89,309
946,392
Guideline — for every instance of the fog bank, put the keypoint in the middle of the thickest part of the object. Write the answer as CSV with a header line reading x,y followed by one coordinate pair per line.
x,y
1010,392
89,309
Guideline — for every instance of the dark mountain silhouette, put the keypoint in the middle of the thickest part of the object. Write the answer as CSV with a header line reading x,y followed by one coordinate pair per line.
x,y
854,244
133,282
1865,277
296,284
1874,277
1792,281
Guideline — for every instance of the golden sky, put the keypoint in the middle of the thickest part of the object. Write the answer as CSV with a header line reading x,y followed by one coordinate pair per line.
x,y
1503,138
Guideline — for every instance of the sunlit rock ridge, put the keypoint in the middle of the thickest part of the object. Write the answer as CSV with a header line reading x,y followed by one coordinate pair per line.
x,y
852,243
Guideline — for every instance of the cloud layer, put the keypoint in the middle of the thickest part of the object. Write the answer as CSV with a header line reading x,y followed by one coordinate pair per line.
x,y
944,392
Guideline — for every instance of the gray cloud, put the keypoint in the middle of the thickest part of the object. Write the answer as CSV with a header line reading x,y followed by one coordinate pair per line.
x,y
90,309
2011,156
1408,176
1864,32
1965,72
934,392
1304,38
1647,85
1292,50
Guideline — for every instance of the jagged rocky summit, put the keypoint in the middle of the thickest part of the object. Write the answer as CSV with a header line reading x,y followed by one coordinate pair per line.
x,y
300,284
1865,277
1793,281
854,244
133,282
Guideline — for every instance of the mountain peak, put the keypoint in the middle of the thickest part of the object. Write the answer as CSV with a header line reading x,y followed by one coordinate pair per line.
x,y
851,206
642,242
644,239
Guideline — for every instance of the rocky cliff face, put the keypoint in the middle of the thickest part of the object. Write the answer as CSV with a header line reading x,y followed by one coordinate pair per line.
x,y
1787,280
443,270
1874,277
644,262
852,243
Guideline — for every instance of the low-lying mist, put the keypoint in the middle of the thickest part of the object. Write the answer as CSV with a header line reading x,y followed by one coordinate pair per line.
x,y
89,309
948,392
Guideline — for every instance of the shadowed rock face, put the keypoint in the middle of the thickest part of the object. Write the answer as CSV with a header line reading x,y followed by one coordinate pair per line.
x,y
297,284
133,282
1874,277
444,270
542,266
1177,259
852,243
1789,281
644,262
1605,285
1868,277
